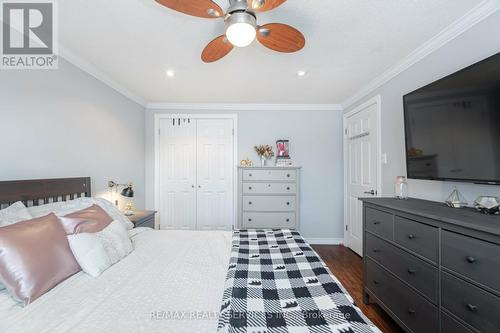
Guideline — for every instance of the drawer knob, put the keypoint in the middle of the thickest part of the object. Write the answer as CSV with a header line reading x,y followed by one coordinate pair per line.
x,y
249,202
288,204
411,311
412,270
249,220
288,188
411,236
250,187
471,259
288,220
376,250
376,282
471,308
376,222
288,175
249,175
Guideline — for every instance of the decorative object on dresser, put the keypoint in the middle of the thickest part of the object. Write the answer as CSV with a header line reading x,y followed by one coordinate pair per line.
x,y
401,188
283,156
127,192
143,218
456,200
265,152
268,197
246,162
487,205
432,268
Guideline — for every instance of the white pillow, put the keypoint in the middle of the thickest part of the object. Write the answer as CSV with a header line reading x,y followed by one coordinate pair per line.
x,y
16,212
61,208
67,207
98,251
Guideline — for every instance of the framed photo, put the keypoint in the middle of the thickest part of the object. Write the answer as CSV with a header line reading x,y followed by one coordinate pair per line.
x,y
282,147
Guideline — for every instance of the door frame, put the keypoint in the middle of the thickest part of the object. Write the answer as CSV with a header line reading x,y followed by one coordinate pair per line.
x,y
160,116
377,100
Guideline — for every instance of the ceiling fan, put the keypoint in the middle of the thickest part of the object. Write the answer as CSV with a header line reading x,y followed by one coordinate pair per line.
x,y
241,26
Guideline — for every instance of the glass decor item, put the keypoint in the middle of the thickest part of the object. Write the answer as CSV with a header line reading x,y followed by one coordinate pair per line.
x,y
488,205
401,188
456,200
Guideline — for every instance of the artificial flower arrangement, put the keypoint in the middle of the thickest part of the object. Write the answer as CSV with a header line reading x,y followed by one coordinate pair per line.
x,y
265,152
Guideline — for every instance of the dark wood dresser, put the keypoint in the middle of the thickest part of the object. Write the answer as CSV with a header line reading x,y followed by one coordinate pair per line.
x,y
430,267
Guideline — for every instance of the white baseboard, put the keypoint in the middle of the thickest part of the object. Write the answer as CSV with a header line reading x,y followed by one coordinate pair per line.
x,y
325,241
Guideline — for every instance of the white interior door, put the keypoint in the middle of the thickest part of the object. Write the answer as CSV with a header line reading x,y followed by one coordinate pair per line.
x,y
215,199
361,168
177,174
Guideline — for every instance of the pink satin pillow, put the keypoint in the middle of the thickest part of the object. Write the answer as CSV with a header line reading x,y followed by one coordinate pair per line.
x,y
89,220
34,257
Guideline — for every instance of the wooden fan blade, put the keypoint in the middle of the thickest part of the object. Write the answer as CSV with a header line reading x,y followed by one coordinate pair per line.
x,y
281,37
216,49
264,5
199,8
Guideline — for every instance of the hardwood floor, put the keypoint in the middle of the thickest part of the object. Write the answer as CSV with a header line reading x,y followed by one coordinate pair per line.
x,y
348,268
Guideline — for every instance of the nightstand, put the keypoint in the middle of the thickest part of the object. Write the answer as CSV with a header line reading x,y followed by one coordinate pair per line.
x,y
143,218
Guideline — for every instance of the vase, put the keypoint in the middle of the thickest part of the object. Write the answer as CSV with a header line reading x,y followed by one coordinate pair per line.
x,y
262,161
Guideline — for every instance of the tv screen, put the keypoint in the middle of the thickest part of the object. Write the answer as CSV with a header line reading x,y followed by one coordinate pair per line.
x,y
452,126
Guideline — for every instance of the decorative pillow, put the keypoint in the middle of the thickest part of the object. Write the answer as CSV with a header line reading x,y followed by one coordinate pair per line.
x,y
16,212
68,207
34,257
114,212
92,219
98,251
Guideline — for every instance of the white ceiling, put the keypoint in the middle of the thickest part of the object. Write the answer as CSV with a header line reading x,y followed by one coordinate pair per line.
x,y
348,44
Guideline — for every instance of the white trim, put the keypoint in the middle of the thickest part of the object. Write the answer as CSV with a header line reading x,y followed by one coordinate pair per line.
x,y
92,70
477,14
157,118
244,107
324,241
374,100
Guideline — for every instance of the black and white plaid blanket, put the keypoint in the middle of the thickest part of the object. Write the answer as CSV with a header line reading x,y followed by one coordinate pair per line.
x,y
277,283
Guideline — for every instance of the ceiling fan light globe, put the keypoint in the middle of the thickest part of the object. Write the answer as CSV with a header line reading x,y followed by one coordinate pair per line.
x,y
241,34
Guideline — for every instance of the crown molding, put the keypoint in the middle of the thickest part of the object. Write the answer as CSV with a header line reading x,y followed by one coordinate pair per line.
x,y
477,14
244,107
99,75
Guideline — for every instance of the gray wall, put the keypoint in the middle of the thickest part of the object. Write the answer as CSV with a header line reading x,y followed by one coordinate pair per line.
x,y
315,144
474,45
65,123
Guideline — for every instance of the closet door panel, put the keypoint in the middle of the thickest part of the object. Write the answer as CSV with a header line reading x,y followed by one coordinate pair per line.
x,y
177,175
215,174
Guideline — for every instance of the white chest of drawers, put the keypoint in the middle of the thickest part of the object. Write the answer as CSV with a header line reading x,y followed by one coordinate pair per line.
x,y
268,197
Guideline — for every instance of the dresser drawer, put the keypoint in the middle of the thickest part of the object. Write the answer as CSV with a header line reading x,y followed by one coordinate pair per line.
x,y
379,223
417,237
416,272
473,305
275,175
450,325
476,259
413,310
268,203
269,188
269,220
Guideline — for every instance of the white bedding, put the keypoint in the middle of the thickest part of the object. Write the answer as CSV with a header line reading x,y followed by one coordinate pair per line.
x,y
168,271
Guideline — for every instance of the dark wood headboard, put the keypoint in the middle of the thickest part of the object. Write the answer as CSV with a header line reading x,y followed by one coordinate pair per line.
x,y
42,191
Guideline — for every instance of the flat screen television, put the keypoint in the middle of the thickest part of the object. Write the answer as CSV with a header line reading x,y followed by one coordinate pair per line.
x,y
452,126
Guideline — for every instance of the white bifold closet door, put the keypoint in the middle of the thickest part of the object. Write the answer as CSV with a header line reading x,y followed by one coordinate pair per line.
x,y
196,174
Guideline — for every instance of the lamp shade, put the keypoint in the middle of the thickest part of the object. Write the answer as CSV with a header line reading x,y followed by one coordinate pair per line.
x,y
128,192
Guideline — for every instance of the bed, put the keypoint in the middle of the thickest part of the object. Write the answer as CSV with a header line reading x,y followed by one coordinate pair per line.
x,y
187,281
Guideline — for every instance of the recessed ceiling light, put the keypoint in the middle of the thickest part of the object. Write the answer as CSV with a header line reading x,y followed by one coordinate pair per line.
x,y
301,73
170,73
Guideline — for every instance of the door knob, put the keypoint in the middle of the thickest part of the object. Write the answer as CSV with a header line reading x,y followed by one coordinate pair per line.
x,y
372,192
